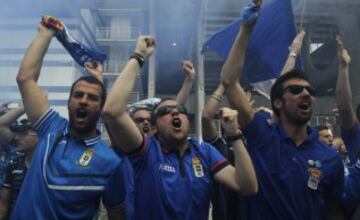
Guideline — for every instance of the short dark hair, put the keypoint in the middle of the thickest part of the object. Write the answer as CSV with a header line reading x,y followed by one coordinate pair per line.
x,y
322,127
91,80
277,89
136,109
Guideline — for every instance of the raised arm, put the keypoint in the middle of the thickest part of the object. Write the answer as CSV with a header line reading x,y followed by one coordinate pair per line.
x,y
242,178
295,50
343,90
35,103
210,109
231,73
185,90
11,116
129,137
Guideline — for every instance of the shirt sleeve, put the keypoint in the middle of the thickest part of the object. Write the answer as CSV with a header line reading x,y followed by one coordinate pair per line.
x,y
114,194
257,127
351,139
351,195
49,121
139,158
336,186
217,161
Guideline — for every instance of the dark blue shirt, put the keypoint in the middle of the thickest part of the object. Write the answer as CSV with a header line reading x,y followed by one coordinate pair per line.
x,y
173,187
283,172
351,138
68,176
14,177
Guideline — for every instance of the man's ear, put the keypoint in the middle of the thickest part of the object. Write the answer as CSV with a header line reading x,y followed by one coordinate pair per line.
x,y
278,103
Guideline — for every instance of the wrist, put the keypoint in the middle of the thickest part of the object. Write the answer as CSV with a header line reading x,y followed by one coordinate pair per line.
x,y
139,58
217,97
235,136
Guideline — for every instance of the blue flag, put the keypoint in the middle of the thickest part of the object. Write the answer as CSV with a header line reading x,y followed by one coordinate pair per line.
x,y
269,42
79,52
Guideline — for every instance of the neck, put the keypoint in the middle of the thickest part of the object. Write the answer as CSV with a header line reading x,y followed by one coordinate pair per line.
x,y
180,145
77,134
28,158
296,132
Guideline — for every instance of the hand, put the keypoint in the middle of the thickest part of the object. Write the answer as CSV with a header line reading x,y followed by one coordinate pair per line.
x,y
145,46
250,13
297,42
95,69
188,69
45,31
335,112
343,55
229,121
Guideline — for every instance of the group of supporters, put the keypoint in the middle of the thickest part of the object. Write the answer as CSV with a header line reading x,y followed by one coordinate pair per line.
x,y
264,165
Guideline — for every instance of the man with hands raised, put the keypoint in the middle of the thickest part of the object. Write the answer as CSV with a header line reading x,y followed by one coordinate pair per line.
x,y
72,169
172,172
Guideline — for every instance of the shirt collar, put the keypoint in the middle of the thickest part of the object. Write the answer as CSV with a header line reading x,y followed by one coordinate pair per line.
x,y
88,141
169,150
312,133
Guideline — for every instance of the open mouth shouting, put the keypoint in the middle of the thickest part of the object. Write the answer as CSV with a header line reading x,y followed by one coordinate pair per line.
x,y
305,106
81,114
176,123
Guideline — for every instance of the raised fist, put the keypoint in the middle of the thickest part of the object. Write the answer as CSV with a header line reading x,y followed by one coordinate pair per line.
x,y
145,46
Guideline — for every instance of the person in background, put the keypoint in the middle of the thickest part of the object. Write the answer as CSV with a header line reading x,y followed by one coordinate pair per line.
x,y
26,140
325,135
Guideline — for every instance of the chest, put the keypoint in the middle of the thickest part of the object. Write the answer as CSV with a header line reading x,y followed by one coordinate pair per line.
x,y
297,168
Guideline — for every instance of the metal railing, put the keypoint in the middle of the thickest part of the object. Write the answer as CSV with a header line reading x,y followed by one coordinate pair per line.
x,y
117,34
114,66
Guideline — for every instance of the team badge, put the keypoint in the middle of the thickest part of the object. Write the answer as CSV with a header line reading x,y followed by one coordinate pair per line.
x,y
198,168
314,174
86,157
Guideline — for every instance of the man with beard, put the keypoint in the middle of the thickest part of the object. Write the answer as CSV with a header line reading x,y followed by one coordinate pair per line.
x,y
172,173
299,177
72,169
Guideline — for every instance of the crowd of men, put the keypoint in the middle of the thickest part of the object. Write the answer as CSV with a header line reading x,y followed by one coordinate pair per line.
x,y
264,165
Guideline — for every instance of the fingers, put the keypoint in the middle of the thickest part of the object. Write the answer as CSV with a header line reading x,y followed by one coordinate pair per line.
x,y
145,46
339,42
187,64
150,41
228,114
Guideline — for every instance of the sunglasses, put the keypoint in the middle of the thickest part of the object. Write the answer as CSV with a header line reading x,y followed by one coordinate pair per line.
x,y
297,89
141,120
166,109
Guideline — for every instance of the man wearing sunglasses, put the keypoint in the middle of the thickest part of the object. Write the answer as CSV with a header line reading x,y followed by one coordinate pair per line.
x,y
142,118
173,173
299,177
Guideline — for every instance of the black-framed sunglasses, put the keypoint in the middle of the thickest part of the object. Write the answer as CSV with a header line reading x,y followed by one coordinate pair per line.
x,y
166,109
297,89
141,120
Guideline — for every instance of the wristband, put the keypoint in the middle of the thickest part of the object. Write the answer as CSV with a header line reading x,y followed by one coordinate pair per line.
x,y
292,54
139,58
238,136
216,97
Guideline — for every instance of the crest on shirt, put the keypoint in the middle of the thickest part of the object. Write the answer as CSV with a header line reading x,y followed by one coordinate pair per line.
x,y
197,166
86,158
